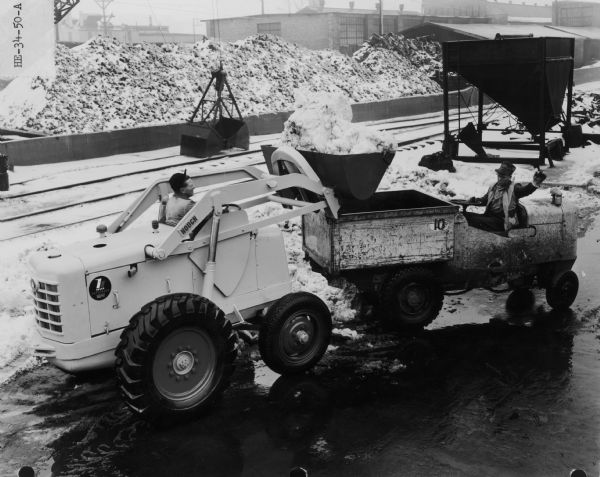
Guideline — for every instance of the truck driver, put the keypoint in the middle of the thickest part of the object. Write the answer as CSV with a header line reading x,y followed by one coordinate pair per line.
x,y
501,200
180,202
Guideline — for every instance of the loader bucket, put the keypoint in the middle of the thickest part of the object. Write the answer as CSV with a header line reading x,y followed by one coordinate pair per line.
x,y
354,176
203,139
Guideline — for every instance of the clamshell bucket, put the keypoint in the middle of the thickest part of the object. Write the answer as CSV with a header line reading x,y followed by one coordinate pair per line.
x,y
202,139
217,129
351,176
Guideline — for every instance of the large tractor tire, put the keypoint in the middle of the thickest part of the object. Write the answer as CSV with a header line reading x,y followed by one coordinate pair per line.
x,y
411,299
175,357
295,333
561,294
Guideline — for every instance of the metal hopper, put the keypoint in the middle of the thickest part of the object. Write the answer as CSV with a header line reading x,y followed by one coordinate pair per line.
x,y
528,77
217,128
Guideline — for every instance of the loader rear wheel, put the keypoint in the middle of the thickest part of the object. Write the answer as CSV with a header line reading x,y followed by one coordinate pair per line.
x,y
411,299
295,333
175,357
561,294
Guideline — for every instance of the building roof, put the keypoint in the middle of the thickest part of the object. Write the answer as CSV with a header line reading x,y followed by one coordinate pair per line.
x,y
592,33
488,31
539,20
355,11
311,11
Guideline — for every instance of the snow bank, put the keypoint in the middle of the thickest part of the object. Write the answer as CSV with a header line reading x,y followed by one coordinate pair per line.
x,y
322,123
105,85
16,311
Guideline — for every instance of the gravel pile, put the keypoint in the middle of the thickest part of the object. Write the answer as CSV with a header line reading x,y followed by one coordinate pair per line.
x,y
586,109
103,84
424,55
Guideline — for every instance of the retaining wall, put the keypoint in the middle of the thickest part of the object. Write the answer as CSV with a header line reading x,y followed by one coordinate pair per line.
x,y
586,75
73,147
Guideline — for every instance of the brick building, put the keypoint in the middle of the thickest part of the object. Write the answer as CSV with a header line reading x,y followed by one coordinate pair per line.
x,y
316,28
576,14
75,30
497,11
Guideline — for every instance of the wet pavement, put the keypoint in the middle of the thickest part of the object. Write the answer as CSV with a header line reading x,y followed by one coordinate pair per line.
x,y
483,392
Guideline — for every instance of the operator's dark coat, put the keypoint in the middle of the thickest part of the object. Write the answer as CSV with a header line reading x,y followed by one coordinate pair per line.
x,y
490,220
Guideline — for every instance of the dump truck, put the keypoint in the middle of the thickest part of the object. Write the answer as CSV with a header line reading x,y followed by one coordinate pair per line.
x,y
162,304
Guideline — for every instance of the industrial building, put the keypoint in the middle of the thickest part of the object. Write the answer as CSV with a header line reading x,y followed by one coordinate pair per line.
x,y
345,29
77,30
497,11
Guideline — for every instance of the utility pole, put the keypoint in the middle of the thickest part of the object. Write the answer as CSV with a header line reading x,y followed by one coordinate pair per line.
x,y
103,4
381,17
262,7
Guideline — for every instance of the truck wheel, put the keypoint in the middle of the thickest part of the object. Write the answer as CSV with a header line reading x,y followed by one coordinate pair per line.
x,y
411,299
520,299
175,357
295,333
563,291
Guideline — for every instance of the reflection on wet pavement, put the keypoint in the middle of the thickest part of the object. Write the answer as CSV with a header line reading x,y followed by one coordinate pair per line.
x,y
481,399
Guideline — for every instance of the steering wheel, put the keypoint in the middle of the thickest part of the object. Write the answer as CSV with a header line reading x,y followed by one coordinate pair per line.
x,y
464,203
227,206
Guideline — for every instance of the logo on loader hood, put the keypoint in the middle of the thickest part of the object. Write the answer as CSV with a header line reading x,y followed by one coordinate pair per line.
x,y
100,288
188,226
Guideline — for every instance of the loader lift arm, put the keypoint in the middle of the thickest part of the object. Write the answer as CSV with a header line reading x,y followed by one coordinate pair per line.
x,y
247,187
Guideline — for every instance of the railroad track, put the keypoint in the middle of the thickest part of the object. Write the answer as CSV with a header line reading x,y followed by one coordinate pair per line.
x,y
412,126
245,158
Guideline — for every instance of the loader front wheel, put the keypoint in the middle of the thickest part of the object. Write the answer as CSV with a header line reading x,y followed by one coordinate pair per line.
x,y
411,299
295,333
561,294
175,357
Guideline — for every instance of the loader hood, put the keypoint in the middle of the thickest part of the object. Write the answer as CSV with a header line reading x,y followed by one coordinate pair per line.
x,y
116,250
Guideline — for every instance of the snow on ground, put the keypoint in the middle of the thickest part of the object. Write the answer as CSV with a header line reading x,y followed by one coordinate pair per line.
x,y
105,85
17,332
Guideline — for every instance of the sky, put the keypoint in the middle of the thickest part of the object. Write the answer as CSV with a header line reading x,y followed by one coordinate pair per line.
x,y
183,16
179,15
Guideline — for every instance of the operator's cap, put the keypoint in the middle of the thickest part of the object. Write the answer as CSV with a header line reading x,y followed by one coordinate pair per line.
x,y
506,168
177,180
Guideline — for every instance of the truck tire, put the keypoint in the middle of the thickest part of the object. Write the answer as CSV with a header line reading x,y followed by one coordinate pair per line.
x,y
295,333
411,299
175,357
561,294
520,299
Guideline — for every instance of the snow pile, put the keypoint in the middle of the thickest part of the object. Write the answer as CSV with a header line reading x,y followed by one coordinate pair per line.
x,y
103,84
322,123
399,52
16,310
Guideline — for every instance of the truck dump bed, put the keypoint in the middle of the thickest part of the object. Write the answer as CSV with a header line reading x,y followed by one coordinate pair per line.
x,y
390,228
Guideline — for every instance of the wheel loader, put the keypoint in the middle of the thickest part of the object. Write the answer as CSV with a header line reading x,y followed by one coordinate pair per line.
x,y
162,304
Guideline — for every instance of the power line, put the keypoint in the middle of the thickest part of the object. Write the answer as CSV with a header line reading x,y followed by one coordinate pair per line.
x,y
103,4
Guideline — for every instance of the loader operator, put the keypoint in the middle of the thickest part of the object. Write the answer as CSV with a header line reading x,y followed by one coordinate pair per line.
x,y
180,202
501,200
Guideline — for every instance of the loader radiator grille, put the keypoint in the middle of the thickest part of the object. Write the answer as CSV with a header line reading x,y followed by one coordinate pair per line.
x,y
46,302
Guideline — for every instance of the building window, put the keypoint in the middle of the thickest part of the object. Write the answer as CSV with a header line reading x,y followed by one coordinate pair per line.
x,y
270,28
389,24
576,15
352,32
